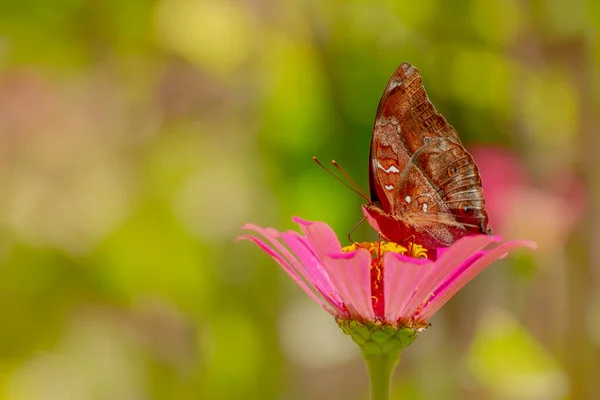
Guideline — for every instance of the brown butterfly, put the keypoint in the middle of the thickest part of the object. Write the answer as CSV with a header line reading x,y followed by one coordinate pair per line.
x,y
425,187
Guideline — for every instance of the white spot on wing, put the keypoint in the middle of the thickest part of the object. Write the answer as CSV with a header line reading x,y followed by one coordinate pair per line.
x,y
410,71
392,168
407,199
424,207
389,187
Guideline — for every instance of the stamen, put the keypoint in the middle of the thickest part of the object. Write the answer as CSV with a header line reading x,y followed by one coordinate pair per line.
x,y
418,251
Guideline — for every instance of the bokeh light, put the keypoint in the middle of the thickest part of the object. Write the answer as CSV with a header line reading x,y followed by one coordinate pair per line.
x,y
137,137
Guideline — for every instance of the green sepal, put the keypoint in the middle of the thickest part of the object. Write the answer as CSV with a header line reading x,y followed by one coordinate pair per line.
x,y
377,339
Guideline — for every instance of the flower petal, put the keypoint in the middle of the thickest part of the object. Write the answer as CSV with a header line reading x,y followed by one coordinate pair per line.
x,y
321,237
458,271
453,258
290,271
313,270
401,276
350,274
290,265
462,279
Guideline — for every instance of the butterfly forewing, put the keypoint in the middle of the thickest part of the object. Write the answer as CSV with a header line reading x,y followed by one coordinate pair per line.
x,y
423,182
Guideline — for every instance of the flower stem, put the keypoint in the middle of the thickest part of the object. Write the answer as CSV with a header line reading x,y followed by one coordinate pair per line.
x,y
380,346
381,369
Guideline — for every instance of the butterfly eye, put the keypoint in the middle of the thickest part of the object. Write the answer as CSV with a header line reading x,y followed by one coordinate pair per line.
x,y
466,209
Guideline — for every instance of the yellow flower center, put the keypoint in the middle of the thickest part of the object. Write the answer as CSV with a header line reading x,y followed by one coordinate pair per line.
x,y
378,249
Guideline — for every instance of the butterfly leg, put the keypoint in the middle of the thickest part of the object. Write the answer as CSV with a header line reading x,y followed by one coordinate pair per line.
x,y
354,228
410,242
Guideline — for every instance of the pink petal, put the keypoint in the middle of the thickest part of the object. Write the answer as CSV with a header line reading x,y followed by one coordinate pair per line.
x,y
290,271
313,271
350,274
272,231
321,237
400,280
458,271
470,273
293,266
450,259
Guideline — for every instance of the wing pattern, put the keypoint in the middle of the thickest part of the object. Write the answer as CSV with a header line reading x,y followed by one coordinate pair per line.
x,y
423,182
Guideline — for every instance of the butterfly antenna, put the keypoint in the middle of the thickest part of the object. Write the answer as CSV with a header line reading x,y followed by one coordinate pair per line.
x,y
363,194
352,186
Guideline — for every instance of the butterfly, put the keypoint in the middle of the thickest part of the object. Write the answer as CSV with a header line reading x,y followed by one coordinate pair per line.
x,y
425,187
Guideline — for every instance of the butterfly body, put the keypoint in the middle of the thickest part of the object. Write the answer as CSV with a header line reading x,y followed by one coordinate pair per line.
x,y
425,187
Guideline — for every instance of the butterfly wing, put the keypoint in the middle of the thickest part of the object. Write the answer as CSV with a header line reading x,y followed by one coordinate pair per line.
x,y
419,171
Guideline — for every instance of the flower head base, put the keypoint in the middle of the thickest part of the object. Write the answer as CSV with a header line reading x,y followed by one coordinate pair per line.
x,y
377,339
377,284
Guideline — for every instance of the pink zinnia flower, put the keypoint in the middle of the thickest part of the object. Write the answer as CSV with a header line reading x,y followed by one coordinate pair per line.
x,y
377,282
382,294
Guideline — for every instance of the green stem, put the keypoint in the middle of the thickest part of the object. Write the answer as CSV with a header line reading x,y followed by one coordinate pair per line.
x,y
381,369
380,346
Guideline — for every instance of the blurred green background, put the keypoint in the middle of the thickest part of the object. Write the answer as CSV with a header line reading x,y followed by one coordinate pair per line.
x,y
138,136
